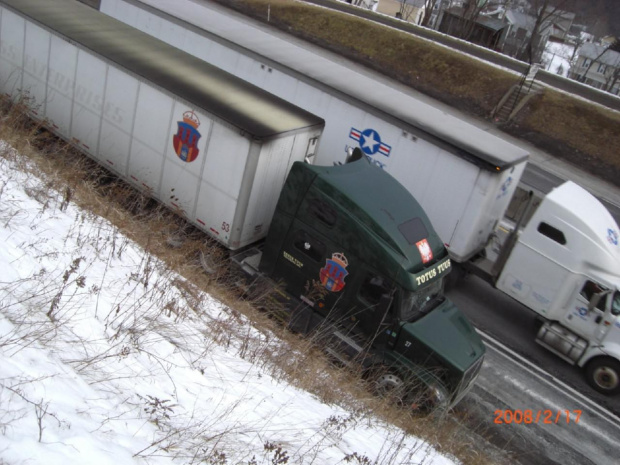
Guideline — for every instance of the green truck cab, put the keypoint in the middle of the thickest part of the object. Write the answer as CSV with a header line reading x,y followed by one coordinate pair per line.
x,y
361,264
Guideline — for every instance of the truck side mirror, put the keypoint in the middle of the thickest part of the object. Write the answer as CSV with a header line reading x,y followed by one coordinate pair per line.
x,y
354,155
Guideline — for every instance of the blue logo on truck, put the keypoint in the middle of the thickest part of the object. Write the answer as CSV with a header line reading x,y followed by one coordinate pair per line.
x,y
612,236
504,189
185,141
370,142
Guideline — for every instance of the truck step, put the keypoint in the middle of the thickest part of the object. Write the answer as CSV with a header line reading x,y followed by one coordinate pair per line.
x,y
349,341
248,260
336,355
343,348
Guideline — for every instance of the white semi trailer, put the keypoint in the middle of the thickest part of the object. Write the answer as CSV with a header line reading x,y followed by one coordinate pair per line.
x,y
210,146
463,176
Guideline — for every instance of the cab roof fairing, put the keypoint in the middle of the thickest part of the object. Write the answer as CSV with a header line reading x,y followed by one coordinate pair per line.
x,y
381,214
600,248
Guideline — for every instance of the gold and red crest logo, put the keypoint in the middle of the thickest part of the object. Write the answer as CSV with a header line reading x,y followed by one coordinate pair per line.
x,y
185,141
333,273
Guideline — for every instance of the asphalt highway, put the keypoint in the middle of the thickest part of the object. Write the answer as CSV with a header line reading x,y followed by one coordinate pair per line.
x,y
527,401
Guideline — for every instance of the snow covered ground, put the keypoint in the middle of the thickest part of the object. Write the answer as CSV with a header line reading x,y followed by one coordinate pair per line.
x,y
108,357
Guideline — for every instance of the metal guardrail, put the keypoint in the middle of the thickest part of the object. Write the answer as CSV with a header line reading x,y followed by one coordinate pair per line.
x,y
544,77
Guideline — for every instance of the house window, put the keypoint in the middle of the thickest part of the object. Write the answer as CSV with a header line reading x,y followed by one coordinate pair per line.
x,y
586,62
552,233
601,68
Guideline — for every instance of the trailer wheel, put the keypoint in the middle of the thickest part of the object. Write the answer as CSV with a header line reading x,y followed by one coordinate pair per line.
x,y
603,374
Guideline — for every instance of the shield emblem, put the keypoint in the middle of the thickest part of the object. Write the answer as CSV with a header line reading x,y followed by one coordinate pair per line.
x,y
333,273
185,141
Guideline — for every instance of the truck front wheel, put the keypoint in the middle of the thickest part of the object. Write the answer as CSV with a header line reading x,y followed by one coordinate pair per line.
x,y
388,384
603,374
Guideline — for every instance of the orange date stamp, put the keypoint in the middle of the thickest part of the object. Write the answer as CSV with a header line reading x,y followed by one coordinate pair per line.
x,y
528,417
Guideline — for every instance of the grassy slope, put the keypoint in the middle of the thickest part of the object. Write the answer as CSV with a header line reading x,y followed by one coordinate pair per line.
x,y
569,128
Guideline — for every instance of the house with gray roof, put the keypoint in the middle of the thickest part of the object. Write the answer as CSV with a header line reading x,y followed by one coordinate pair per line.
x,y
518,34
483,30
598,66
407,10
561,23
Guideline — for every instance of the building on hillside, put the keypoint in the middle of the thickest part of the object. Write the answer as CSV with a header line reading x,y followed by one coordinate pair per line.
x,y
518,34
609,41
438,8
368,4
501,26
598,65
482,30
561,24
408,10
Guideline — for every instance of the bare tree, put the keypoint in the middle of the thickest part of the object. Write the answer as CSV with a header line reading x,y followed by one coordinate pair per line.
x,y
545,12
613,78
406,9
579,41
471,12
429,6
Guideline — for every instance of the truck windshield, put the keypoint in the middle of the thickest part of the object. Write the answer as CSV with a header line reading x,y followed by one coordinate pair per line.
x,y
415,305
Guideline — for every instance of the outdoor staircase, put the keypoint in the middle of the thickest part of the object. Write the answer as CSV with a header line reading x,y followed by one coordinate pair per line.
x,y
517,96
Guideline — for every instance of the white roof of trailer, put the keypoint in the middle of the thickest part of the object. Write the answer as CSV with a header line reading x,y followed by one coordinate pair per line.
x,y
336,73
234,100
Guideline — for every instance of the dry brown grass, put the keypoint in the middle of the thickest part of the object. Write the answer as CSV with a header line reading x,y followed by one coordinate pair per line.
x,y
569,128
579,132
148,224
433,69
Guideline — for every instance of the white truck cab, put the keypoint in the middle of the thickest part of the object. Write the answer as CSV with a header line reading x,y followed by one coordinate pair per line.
x,y
565,266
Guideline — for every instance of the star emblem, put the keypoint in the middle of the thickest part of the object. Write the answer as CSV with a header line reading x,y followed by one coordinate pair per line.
x,y
370,141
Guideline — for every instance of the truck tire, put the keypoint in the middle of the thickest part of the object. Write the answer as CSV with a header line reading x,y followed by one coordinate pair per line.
x,y
386,383
603,374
